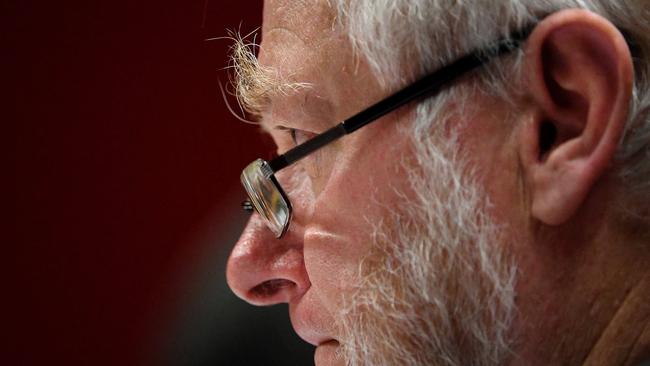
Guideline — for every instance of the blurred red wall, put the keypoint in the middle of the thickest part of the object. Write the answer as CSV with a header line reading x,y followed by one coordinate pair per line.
x,y
121,146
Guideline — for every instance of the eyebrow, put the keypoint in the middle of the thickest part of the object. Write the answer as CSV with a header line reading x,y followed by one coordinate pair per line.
x,y
253,84
256,85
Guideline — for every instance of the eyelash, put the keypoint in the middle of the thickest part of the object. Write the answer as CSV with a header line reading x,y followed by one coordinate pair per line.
x,y
292,133
294,137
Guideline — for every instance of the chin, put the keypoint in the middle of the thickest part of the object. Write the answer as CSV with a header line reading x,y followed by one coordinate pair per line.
x,y
328,354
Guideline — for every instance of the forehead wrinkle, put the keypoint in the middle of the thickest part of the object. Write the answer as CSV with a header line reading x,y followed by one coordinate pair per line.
x,y
287,30
305,19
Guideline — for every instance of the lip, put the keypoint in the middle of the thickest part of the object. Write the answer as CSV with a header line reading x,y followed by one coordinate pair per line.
x,y
327,354
311,323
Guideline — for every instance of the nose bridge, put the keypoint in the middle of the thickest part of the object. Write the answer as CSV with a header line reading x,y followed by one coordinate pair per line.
x,y
264,270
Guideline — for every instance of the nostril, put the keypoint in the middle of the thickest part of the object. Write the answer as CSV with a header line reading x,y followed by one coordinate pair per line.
x,y
268,289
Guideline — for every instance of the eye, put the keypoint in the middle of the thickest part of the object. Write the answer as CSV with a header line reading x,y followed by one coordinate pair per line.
x,y
292,137
299,136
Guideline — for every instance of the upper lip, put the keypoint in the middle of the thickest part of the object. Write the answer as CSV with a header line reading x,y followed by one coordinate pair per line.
x,y
309,334
309,324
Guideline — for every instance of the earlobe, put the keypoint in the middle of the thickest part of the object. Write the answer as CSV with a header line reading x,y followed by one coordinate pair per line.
x,y
580,74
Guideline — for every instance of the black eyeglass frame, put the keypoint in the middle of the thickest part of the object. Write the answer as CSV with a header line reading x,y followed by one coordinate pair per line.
x,y
426,86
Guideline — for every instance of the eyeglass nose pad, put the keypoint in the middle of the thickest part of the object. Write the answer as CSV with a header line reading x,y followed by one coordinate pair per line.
x,y
247,206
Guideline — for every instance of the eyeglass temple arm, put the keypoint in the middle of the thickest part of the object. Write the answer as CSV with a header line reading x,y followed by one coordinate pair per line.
x,y
427,85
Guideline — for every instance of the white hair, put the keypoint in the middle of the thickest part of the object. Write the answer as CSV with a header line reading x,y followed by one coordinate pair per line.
x,y
402,40
438,287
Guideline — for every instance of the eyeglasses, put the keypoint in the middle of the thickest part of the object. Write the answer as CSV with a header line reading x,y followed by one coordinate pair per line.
x,y
266,196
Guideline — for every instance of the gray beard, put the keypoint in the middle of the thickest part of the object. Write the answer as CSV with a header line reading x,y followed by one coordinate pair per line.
x,y
437,287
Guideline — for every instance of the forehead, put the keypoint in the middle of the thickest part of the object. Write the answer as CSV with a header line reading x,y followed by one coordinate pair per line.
x,y
308,20
298,39
302,41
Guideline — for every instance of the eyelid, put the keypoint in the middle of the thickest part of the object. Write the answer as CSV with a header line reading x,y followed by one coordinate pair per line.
x,y
298,136
301,136
292,132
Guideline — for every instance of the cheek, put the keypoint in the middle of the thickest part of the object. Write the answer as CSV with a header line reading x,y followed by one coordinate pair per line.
x,y
332,268
360,188
332,264
338,238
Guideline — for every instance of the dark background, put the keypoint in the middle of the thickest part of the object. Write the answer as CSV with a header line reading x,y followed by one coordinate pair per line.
x,y
123,170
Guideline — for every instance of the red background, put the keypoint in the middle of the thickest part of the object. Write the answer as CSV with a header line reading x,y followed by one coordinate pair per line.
x,y
120,146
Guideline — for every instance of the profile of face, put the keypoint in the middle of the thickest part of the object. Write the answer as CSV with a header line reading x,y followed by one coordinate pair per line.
x,y
383,252
405,243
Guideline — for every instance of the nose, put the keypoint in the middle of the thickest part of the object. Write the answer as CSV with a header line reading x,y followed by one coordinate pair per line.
x,y
264,270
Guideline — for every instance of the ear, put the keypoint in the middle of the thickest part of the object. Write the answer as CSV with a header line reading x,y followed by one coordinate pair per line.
x,y
580,77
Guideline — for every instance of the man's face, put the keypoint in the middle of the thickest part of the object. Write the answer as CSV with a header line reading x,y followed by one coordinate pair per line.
x,y
389,247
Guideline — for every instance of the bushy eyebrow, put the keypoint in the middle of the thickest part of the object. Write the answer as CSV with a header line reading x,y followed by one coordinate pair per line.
x,y
255,85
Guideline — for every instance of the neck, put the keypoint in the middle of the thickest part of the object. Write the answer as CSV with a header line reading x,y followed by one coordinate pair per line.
x,y
626,339
588,303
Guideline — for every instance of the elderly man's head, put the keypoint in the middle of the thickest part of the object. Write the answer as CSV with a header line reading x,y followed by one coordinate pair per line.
x,y
502,217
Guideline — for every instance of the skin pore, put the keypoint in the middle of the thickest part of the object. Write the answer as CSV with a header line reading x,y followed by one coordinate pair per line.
x,y
544,209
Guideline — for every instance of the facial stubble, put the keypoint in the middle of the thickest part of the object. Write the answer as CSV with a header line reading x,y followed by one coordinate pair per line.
x,y
437,287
